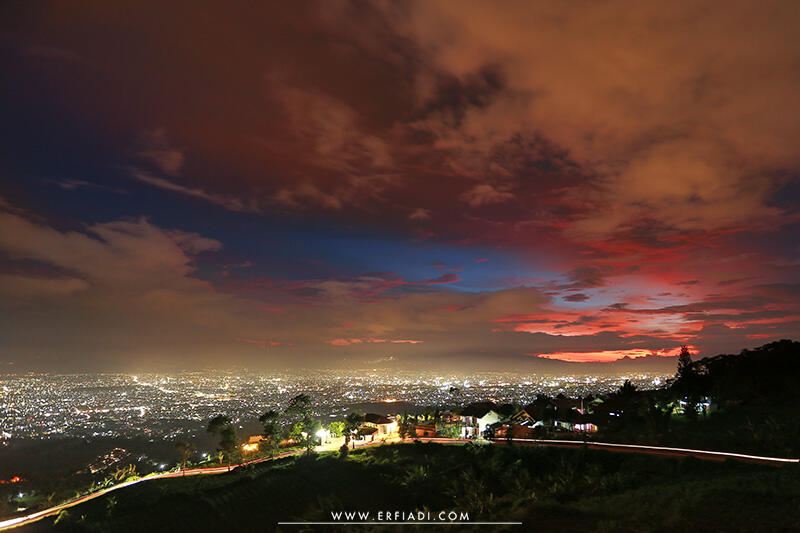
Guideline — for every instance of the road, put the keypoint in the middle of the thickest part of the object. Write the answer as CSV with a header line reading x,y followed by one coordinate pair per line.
x,y
652,450
609,446
52,511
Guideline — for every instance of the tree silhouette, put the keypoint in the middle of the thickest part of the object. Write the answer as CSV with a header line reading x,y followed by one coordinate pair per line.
x,y
184,448
299,413
455,392
271,430
405,428
299,407
352,422
627,389
684,362
221,427
688,383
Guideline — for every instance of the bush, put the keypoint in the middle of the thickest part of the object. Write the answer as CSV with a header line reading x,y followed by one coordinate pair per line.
x,y
343,451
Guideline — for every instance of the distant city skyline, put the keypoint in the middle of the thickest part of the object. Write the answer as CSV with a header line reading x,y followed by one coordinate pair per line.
x,y
412,185
173,406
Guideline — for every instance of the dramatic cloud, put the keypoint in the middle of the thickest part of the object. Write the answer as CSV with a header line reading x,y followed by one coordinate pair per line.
x,y
228,202
681,117
311,182
577,297
164,156
485,194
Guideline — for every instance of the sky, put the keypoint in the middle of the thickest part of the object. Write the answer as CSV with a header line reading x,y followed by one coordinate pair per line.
x,y
427,184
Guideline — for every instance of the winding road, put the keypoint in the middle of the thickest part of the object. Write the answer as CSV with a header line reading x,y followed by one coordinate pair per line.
x,y
608,446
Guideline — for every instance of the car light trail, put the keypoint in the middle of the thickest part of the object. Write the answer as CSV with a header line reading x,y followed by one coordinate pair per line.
x,y
657,450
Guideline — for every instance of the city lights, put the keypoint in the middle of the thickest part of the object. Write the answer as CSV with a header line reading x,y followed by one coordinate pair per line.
x,y
118,405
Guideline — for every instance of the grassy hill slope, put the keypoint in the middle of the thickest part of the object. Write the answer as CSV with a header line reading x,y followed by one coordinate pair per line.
x,y
548,489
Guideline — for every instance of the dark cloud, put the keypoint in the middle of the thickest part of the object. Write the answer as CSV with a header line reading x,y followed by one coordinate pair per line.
x,y
577,297
587,277
612,149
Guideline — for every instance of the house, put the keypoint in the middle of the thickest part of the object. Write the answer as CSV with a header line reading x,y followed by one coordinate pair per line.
x,y
520,426
476,418
514,431
383,424
449,416
575,421
252,443
424,431
523,417
365,434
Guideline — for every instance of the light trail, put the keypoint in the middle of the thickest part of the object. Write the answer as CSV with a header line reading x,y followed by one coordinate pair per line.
x,y
655,450
610,446
28,519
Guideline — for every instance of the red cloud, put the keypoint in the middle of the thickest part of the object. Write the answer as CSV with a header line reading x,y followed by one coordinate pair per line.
x,y
609,355
485,194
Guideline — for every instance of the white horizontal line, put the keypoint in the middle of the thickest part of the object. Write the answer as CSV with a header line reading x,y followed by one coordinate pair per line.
x,y
411,522
658,448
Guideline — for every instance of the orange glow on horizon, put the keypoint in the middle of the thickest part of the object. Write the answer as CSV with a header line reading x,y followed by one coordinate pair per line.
x,y
605,356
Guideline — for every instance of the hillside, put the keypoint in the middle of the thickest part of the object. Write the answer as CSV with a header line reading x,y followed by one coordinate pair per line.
x,y
547,489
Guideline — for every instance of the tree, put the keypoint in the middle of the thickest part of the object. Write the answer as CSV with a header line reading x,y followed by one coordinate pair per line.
x,y
452,431
184,448
455,392
299,407
221,427
120,475
313,428
688,383
405,428
658,412
684,362
336,428
304,425
352,422
627,389
296,432
271,430
216,424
